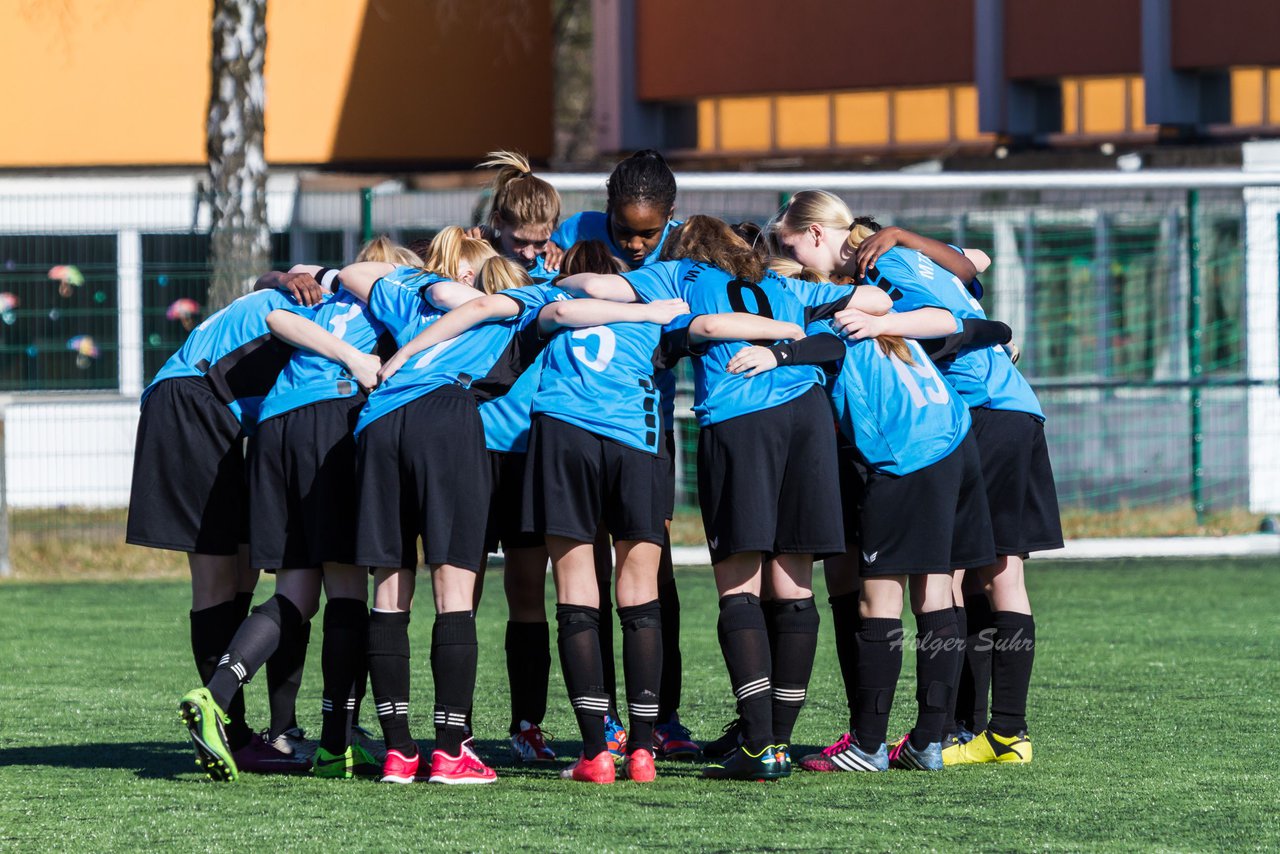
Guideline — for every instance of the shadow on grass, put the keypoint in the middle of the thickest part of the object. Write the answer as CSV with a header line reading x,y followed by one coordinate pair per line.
x,y
148,759
158,760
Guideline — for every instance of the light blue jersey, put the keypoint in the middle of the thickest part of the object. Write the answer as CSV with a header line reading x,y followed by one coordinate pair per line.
x,y
594,225
718,394
899,417
602,379
488,359
400,303
309,377
983,376
235,351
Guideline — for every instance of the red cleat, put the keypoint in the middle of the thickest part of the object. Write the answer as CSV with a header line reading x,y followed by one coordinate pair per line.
x,y
464,769
638,767
597,770
398,768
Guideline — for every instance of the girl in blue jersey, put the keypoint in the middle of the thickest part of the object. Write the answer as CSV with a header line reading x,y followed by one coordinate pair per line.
x,y
189,491
523,212
638,217
754,498
301,477
1009,428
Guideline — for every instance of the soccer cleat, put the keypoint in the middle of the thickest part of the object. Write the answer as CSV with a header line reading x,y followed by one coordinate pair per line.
x,y
529,744
464,769
783,752
725,744
598,770
292,742
364,763
952,743
372,745
259,757
206,724
398,768
638,766
904,755
673,741
742,764
330,766
846,755
615,736
988,746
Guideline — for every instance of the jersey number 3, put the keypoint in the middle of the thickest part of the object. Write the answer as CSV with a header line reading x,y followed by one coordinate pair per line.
x,y
597,347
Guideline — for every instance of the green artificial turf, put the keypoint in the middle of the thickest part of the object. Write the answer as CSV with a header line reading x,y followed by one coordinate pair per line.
x,y
1155,708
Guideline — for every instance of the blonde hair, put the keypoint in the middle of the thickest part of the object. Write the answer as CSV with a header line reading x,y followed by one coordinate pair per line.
x,y
384,249
818,207
890,345
451,247
498,273
519,196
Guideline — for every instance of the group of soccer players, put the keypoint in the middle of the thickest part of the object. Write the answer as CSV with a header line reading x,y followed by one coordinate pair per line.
x,y
511,385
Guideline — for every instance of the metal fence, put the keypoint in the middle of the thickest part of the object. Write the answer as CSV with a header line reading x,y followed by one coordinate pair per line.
x,y
1144,305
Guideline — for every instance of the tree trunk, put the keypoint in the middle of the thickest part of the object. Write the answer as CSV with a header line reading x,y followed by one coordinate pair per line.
x,y
240,244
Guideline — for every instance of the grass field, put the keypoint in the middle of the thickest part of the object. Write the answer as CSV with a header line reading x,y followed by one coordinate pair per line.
x,y
1154,707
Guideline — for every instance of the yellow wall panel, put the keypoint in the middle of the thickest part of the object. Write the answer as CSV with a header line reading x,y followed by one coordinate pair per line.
x,y
804,121
862,118
964,101
921,115
707,125
103,82
1137,104
1246,96
1070,106
1104,105
1273,96
745,124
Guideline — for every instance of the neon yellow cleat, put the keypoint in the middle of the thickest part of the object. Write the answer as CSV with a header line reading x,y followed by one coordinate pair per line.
x,y
988,746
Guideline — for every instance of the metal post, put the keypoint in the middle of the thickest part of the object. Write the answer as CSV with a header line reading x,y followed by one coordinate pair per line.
x,y
1195,355
366,214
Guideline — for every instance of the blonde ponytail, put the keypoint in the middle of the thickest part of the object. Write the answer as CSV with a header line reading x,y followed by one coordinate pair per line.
x,y
451,247
520,198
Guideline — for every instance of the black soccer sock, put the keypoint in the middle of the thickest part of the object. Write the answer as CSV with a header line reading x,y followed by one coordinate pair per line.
x,y
879,665
974,688
604,584
389,673
672,661
528,671
342,656
642,668
284,680
795,643
847,622
235,711
950,726
744,642
583,675
1011,660
937,656
254,642
211,632
244,604
453,669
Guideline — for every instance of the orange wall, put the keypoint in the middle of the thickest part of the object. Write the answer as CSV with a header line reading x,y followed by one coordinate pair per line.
x,y
126,82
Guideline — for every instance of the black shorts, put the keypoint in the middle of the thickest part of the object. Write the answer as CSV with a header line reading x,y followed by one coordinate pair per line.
x,y
302,486
669,488
189,492
930,521
1020,488
575,480
506,501
423,470
767,481
853,480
